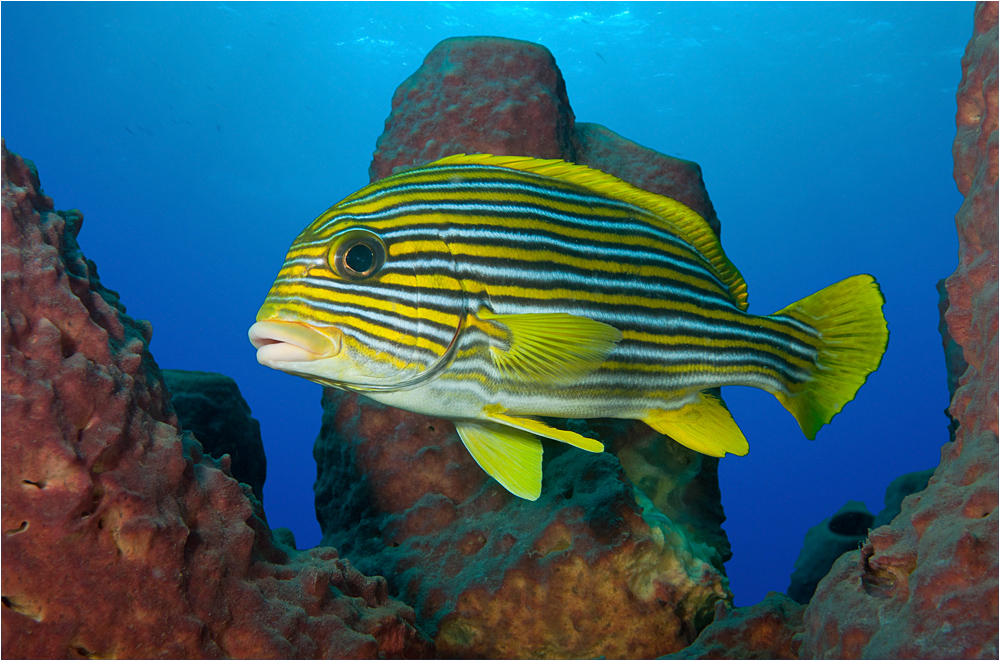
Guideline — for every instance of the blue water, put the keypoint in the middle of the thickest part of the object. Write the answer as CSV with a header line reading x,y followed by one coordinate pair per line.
x,y
199,139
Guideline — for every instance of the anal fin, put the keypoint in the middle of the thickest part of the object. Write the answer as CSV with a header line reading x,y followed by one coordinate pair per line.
x,y
705,425
539,428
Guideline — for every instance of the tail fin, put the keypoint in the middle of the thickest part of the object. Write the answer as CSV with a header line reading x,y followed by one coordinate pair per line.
x,y
853,337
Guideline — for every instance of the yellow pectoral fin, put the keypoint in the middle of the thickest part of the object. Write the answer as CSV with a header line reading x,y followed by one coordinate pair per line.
x,y
705,425
551,347
511,456
539,428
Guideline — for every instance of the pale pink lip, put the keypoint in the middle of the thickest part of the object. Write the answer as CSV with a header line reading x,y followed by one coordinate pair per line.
x,y
285,341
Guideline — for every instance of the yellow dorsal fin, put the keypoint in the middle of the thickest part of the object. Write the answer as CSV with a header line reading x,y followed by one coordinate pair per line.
x,y
511,456
550,347
676,217
705,425
539,428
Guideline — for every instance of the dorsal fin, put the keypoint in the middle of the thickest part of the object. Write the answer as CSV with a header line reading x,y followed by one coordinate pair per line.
x,y
678,218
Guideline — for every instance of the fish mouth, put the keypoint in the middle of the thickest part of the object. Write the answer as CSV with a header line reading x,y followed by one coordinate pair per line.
x,y
289,341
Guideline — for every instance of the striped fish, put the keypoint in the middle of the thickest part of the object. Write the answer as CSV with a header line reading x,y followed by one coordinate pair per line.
x,y
495,290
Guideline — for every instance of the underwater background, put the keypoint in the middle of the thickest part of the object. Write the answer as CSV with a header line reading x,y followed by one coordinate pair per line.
x,y
198,140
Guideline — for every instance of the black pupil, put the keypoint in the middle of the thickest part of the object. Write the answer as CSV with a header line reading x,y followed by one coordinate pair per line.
x,y
359,258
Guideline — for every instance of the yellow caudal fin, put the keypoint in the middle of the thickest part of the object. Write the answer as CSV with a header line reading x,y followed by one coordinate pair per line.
x,y
704,425
852,338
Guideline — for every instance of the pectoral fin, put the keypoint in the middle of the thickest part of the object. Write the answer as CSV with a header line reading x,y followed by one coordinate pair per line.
x,y
539,428
705,425
511,456
550,348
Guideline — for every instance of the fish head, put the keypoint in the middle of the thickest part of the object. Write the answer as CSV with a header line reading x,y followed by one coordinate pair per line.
x,y
361,307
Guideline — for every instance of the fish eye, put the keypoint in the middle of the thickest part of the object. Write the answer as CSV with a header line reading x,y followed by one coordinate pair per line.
x,y
359,258
357,254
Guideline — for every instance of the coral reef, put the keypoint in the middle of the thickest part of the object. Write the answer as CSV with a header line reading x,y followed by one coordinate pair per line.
x,y
121,539
845,531
767,630
896,493
954,361
210,406
824,543
477,95
925,585
591,568
680,484
601,148
503,96
104,494
581,571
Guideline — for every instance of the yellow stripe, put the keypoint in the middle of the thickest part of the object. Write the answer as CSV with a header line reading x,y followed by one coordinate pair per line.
x,y
423,177
375,330
507,197
628,396
475,287
438,281
715,343
363,303
299,250
369,352
397,248
530,224
740,318
628,368
521,224
520,254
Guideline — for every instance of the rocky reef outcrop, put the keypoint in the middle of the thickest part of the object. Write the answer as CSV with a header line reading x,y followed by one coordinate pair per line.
x,y
925,584
845,531
210,406
824,543
596,566
120,537
487,95
954,361
584,570
768,630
